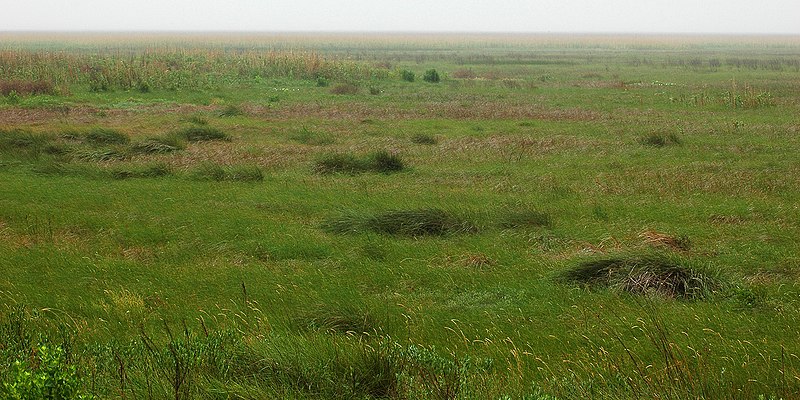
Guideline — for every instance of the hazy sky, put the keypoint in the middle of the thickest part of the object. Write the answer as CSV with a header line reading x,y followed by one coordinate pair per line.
x,y
702,16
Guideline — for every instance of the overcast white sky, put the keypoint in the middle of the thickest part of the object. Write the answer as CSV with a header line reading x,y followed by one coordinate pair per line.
x,y
671,16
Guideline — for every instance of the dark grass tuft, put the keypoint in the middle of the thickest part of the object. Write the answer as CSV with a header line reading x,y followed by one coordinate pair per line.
x,y
104,136
231,111
660,140
524,218
385,162
309,137
422,138
379,161
420,222
642,274
202,134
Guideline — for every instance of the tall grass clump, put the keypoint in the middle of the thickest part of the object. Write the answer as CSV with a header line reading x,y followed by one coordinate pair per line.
x,y
423,138
216,173
105,136
416,222
313,138
662,274
524,218
17,142
379,161
203,133
158,145
431,76
408,76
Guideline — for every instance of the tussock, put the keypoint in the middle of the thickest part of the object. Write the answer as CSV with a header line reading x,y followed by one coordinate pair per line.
x,y
643,274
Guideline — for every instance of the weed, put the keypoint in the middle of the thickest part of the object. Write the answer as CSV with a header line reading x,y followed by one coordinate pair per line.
x,y
322,82
431,76
202,134
47,376
647,273
374,90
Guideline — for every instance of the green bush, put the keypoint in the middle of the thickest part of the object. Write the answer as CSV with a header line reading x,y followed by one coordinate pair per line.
x,y
408,76
431,76
47,376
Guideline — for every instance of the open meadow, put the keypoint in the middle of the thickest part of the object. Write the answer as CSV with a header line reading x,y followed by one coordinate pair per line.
x,y
399,216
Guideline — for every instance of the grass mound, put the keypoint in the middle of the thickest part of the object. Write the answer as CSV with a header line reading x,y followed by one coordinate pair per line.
x,y
642,274
660,140
380,161
157,145
312,138
203,133
423,138
104,136
18,142
420,222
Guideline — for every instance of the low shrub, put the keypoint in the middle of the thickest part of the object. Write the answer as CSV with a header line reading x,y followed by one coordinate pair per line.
x,y
431,76
408,76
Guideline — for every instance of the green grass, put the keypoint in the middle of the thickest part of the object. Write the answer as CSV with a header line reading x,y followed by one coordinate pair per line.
x,y
572,218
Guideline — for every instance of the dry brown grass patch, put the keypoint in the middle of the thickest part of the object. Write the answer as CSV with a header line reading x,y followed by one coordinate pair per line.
x,y
658,239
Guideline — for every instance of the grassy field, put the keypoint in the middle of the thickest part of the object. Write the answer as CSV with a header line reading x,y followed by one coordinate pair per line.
x,y
317,216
